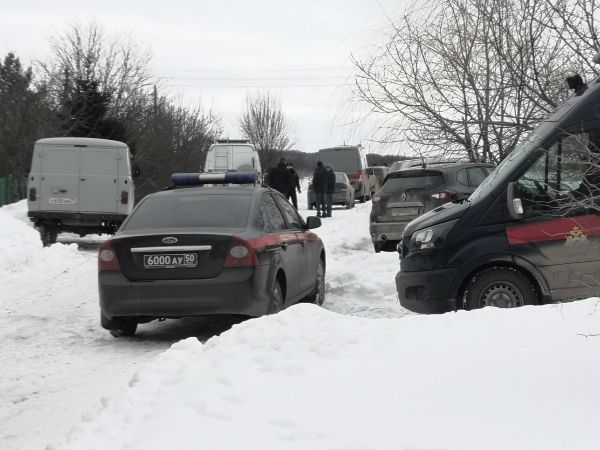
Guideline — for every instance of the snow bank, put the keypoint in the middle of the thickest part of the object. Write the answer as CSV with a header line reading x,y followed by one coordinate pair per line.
x,y
308,378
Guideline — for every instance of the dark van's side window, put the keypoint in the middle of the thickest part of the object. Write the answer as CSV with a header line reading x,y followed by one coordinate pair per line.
x,y
269,216
565,179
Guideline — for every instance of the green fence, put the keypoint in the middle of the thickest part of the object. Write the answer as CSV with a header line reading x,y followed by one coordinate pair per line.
x,y
12,189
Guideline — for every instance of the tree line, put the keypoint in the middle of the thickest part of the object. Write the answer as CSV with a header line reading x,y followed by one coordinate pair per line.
x,y
97,85
472,77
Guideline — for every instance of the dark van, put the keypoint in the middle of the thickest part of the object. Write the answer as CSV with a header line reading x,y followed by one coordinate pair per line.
x,y
529,234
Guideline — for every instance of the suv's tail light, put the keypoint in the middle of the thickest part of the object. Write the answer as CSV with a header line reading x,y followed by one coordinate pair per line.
x,y
124,197
241,254
107,257
32,194
445,195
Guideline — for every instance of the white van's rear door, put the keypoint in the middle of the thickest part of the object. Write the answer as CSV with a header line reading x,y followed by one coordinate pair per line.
x,y
98,177
222,158
59,178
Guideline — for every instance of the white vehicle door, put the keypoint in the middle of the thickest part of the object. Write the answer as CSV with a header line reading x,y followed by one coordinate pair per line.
x,y
222,158
98,180
59,179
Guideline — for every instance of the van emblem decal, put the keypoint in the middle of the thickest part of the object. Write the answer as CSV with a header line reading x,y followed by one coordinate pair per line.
x,y
169,240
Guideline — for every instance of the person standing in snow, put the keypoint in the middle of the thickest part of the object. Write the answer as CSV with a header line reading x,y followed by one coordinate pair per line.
x,y
319,186
294,185
329,189
279,178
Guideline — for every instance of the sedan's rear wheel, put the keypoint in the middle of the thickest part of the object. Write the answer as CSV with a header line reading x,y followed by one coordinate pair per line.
x,y
127,327
501,287
119,327
276,303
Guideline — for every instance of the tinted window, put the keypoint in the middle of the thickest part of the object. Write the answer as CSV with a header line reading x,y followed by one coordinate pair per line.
x,y
191,211
476,176
415,181
461,177
291,216
269,217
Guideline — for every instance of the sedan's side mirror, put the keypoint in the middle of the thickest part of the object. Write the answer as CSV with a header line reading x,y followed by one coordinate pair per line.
x,y
313,222
513,202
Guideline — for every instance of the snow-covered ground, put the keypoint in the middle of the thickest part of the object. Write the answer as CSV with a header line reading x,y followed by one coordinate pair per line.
x,y
360,373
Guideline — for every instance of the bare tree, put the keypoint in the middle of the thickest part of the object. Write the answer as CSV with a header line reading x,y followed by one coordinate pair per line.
x,y
471,77
265,126
86,54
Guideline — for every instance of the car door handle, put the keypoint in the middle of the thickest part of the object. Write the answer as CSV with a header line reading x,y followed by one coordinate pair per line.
x,y
82,179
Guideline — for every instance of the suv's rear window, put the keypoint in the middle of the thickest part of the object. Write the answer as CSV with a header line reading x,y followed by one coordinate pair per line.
x,y
413,181
191,211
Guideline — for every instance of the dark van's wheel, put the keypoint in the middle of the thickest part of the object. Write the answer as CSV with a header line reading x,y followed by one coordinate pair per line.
x,y
318,295
276,302
500,287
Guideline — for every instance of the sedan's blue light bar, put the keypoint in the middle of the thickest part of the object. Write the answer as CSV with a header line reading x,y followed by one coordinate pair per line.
x,y
193,179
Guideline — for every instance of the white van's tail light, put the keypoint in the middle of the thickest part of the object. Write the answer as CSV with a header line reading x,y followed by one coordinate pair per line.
x,y
107,257
32,194
124,197
241,254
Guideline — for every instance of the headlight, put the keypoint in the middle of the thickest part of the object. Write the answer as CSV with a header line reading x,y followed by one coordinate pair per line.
x,y
423,239
430,238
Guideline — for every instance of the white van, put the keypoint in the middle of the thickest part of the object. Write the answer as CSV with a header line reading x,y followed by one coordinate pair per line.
x,y
232,156
79,185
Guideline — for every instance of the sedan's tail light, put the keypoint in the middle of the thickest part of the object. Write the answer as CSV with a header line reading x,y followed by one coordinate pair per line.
x,y
241,253
445,195
107,257
32,194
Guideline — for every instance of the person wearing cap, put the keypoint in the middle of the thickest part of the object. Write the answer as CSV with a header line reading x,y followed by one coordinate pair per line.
x,y
279,178
329,189
319,186
294,185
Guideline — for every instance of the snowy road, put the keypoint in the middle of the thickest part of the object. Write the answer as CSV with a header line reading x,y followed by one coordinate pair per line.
x,y
57,361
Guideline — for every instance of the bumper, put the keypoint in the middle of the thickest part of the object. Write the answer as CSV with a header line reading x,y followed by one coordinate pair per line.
x,y
427,291
387,231
77,222
235,291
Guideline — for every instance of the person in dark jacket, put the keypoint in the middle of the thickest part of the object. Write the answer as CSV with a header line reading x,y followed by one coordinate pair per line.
x,y
329,189
279,177
319,187
294,185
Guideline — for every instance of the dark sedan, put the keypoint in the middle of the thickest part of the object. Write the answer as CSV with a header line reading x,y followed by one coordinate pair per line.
x,y
209,250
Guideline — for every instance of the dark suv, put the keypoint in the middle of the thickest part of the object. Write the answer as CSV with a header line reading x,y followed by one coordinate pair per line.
x,y
410,192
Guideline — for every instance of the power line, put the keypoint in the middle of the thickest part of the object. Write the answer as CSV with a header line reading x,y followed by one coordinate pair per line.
x,y
257,85
268,69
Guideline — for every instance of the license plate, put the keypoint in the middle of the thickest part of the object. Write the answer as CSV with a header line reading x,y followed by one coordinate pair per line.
x,y
171,261
405,212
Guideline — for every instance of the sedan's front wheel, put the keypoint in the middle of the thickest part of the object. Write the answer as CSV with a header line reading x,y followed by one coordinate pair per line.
x,y
276,303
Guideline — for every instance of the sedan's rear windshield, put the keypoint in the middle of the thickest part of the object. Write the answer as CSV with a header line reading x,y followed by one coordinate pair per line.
x,y
191,211
413,181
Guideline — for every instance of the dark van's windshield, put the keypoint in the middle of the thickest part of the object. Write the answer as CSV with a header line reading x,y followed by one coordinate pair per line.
x,y
342,160
190,211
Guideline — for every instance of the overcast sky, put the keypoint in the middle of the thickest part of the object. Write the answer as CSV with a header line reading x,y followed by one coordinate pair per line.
x,y
217,52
